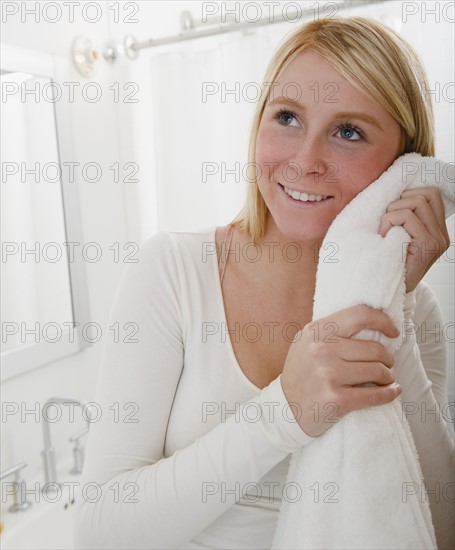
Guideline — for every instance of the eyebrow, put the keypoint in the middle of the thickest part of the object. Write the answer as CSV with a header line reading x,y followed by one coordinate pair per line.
x,y
345,114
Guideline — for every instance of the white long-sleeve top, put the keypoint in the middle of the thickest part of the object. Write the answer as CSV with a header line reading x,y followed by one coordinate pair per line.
x,y
186,452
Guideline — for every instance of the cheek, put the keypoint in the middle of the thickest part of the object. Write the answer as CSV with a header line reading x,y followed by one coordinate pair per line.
x,y
270,146
354,176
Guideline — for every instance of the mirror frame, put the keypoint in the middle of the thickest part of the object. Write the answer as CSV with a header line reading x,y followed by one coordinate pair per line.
x,y
24,358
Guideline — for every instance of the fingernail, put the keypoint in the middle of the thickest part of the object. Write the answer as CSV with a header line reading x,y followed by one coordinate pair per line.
x,y
398,388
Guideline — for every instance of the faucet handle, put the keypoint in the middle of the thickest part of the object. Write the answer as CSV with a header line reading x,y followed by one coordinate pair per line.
x,y
20,494
75,437
78,451
13,470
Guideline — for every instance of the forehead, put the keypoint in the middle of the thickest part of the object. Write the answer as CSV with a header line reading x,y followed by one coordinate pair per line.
x,y
310,75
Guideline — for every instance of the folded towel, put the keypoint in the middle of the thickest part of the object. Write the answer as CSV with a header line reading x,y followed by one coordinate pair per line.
x,y
351,478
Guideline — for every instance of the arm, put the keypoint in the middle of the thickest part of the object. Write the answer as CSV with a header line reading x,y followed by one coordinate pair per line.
x,y
420,368
125,459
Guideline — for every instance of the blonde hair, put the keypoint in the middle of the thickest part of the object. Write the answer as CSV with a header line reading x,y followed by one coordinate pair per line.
x,y
370,56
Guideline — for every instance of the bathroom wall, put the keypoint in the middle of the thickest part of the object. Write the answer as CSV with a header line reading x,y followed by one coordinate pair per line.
x,y
107,132
93,124
102,133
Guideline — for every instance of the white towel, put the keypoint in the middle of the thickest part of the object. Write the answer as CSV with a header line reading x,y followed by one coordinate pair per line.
x,y
349,481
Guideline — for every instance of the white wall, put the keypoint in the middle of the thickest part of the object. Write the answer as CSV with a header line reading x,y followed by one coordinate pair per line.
x,y
98,136
93,125
104,132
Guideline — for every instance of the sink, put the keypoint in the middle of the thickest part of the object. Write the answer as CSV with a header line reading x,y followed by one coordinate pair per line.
x,y
48,524
45,526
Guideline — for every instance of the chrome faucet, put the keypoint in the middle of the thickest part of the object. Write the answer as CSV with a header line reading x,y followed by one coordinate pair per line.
x,y
19,495
48,453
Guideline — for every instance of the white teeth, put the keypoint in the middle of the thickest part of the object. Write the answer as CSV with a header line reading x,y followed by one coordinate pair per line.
x,y
304,196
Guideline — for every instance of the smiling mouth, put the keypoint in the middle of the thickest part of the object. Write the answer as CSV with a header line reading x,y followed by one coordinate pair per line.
x,y
304,197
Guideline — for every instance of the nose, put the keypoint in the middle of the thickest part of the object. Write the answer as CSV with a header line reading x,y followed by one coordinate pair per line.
x,y
310,160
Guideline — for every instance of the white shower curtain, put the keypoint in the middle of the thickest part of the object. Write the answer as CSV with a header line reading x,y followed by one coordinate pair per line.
x,y
201,141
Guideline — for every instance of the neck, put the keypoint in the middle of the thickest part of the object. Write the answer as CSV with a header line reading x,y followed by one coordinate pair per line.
x,y
286,266
295,259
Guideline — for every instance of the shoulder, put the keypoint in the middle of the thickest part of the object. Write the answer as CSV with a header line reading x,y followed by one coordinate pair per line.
x,y
184,257
171,243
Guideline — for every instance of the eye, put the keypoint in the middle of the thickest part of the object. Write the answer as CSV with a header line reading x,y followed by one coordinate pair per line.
x,y
348,131
285,117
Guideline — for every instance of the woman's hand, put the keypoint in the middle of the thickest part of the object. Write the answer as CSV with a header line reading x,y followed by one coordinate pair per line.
x,y
421,213
324,367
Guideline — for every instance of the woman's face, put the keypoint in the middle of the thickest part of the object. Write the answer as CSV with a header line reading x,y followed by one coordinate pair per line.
x,y
321,137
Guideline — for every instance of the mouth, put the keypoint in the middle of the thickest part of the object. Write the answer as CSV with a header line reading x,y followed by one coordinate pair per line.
x,y
305,198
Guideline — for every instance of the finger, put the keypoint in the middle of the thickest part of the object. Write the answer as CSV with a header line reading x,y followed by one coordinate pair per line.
x,y
432,196
421,209
366,372
409,221
359,351
433,243
351,320
372,396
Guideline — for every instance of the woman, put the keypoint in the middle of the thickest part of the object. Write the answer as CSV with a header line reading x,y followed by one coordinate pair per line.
x,y
225,376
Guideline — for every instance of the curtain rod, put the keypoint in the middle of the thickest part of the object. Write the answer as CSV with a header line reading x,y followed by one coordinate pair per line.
x,y
131,46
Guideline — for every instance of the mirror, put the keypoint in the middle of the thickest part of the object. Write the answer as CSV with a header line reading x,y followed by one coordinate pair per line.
x,y
43,284
35,284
